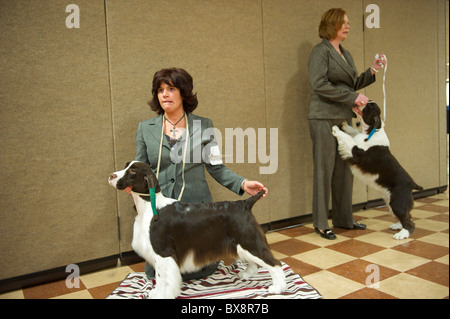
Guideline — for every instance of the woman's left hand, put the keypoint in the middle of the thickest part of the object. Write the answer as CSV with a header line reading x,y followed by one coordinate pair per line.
x,y
379,63
254,187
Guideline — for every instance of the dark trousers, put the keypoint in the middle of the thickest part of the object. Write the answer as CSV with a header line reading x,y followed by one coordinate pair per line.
x,y
332,176
204,272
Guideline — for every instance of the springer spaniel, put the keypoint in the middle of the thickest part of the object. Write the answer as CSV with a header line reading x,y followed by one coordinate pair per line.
x,y
370,160
184,237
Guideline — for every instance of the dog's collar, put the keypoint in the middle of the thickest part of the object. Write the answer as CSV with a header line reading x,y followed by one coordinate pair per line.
x,y
371,133
152,194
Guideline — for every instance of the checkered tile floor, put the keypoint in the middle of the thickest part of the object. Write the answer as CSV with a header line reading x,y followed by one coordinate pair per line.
x,y
417,267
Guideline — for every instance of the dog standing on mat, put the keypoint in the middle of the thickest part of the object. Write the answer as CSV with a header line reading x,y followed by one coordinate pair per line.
x,y
184,237
370,160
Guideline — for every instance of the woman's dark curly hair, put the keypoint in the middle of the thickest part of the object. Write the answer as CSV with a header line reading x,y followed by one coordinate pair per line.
x,y
178,78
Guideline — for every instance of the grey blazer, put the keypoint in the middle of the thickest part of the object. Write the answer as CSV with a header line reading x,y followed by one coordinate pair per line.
x,y
334,82
148,139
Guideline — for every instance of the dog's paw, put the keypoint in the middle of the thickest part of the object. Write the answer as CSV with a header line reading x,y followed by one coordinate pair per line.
x,y
396,226
335,130
276,289
403,234
249,272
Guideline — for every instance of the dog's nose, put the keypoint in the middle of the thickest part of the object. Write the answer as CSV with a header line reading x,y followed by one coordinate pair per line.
x,y
112,176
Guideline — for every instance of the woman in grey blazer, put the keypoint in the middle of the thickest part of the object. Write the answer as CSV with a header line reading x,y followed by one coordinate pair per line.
x,y
179,145
334,82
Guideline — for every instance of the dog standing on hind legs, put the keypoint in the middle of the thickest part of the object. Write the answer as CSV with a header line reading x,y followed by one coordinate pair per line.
x,y
371,161
183,237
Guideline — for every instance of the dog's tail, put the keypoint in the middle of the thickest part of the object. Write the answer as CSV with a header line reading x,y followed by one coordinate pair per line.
x,y
417,187
249,202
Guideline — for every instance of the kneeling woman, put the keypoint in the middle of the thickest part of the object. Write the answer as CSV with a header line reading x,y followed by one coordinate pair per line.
x,y
169,144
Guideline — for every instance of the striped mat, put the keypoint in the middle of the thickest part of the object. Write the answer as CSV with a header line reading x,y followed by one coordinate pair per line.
x,y
224,283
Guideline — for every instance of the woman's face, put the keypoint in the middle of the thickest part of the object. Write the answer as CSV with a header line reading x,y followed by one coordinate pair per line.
x,y
343,31
169,98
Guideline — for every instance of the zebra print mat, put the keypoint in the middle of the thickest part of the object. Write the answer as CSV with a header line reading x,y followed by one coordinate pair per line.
x,y
224,283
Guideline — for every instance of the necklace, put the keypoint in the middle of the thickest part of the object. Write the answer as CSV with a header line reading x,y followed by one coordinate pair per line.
x,y
174,130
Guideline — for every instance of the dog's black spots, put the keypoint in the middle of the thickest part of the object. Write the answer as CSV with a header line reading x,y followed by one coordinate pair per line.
x,y
378,160
141,177
218,226
371,116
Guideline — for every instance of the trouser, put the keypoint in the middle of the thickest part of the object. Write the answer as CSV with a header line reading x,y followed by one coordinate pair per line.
x,y
205,271
331,175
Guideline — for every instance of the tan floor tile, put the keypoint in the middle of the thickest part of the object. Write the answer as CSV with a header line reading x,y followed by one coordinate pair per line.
x,y
274,237
317,240
382,239
16,294
443,260
412,287
437,239
417,213
323,258
332,286
431,224
83,294
395,260
377,224
371,213
105,277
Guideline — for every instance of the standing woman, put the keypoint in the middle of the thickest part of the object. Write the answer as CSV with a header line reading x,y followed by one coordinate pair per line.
x,y
171,143
334,82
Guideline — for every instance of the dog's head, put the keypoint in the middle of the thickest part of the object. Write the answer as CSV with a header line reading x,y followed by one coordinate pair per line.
x,y
137,175
369,116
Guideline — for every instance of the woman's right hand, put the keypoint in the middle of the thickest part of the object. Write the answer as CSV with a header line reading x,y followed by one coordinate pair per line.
x,y
361,100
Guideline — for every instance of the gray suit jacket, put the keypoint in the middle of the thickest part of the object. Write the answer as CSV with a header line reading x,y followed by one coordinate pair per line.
x,y
148,139
334,82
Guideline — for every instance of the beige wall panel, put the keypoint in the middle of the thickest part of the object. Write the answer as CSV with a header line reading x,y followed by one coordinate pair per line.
x,y
218,42
412,87
290,33
55,138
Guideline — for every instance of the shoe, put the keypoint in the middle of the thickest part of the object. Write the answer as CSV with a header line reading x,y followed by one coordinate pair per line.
x,y
327,234
359,226
356,226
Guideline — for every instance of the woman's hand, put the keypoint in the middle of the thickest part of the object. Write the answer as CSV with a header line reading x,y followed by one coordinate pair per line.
x,y
361,100
253,187
378,64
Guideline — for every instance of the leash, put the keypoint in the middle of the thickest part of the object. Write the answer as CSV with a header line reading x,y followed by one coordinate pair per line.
x,y
384,67
152,190
184,153
153,203
152,194
370,134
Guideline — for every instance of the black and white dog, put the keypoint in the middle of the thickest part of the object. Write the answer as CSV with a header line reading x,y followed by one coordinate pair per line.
x,y
370,160
187,236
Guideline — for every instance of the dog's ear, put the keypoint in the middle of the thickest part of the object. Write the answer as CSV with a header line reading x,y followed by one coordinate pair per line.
x,y
377,122
152,181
